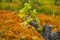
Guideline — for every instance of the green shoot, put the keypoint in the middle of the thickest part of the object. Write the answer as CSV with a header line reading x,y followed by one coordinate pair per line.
x,y
27,8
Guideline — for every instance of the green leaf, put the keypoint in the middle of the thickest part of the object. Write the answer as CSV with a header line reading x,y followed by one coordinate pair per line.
x,y
40,29
33,14
27,21
21,15
22,10
27,6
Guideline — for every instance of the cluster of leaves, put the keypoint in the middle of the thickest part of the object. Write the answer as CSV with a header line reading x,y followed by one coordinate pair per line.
x,y
34,6
58,13
34,3
4,6
15,8
27,8
57,2
9,7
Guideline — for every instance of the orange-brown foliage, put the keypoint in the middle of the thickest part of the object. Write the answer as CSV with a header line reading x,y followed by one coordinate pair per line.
x,y
10,25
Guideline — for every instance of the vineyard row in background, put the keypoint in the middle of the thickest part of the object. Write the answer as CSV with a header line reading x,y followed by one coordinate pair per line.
x,y
46,6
